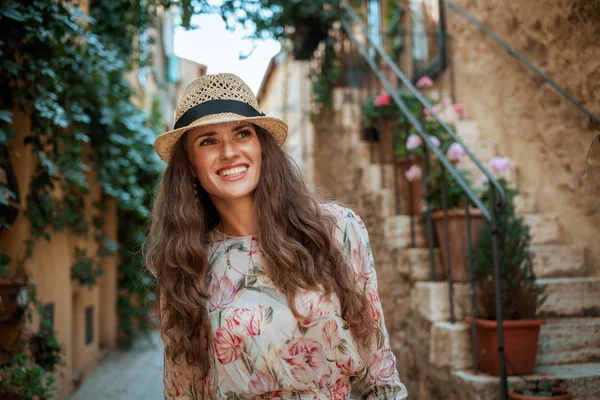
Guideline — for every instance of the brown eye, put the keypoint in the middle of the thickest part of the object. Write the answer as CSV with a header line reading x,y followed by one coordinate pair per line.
x,y
244,134
206,142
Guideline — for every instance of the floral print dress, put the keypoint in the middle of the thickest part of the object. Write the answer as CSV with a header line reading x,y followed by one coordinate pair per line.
x,y
261,351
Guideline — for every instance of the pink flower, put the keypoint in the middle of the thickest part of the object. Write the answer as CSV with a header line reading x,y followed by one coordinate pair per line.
x,y
261,382
427,112
331,334
227,345
306,358
445,103
413,142
374,308
222,293
456,152
313,307
382,368
424,82
501,164
246,321
414,173
434,140
254,248
384,99
461,110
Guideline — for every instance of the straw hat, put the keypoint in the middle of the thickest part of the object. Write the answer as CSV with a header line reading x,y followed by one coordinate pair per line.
x,y
214,99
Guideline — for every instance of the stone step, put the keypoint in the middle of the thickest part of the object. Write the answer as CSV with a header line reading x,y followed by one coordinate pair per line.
x,y
559,260
397,232
569,341
414,264
565,297
571,297
544,228
581,380
561,341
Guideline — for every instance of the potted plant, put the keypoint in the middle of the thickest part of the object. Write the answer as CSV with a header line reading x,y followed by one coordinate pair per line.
x,y
541,391
23,379
521,297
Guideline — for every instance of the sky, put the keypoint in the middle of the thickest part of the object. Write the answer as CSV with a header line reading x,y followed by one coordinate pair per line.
x,y
219,49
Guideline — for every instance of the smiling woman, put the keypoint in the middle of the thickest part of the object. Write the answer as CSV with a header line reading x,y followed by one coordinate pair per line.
x,y
237,243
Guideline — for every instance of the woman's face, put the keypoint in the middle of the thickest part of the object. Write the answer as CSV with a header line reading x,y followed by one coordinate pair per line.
x,y
226,158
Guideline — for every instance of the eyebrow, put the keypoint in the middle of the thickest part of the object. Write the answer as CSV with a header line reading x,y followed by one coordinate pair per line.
x,y
234,129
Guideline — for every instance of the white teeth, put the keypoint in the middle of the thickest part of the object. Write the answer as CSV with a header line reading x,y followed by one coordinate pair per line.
x,y
233,171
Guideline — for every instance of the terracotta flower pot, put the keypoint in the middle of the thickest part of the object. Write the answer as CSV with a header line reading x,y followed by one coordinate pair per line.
x,y
556,395
457,239
411,199
385,144
520,345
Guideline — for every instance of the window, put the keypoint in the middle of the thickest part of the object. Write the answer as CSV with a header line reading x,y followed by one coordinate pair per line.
x,y
49,314
89,325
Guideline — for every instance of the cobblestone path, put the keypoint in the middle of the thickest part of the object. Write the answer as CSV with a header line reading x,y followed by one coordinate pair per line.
x,y
128,375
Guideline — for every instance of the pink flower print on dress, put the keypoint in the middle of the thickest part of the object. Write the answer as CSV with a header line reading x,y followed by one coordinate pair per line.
x,y
306,359
413,142
245,321
384,99
222,293
261,382
313,307
455,152
254,248
340,390
374,308
424,82
227,345
363,270
382,368
351,367
331,334
414,173
501,164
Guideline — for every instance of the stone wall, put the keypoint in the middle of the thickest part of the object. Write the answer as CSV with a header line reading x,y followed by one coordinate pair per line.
x,y
546,135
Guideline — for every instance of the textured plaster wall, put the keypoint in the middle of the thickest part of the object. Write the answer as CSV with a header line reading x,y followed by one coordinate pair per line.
x,y
546,135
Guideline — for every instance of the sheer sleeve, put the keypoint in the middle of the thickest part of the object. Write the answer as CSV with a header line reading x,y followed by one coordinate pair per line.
x,y
381,380
180,380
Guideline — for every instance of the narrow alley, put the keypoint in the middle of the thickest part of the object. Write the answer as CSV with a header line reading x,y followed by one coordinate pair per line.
x,y
131,375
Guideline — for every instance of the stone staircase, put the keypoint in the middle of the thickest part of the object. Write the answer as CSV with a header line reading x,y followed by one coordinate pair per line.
x,y
434,355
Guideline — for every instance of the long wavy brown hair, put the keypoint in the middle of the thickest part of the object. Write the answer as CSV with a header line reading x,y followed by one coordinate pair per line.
x,y
296,237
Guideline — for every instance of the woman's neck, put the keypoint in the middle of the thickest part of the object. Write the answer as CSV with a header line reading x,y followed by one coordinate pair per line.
x,y
237,217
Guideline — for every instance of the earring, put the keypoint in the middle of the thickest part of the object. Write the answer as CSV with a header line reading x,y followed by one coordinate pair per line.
x,y
196,192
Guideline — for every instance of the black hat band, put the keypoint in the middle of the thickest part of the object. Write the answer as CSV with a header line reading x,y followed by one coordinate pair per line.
x,y
216,107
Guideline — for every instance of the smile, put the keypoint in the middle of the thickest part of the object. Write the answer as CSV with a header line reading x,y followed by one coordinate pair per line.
x,y
233,173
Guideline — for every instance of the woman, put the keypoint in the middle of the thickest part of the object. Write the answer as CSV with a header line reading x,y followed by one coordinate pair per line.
x,y
265,293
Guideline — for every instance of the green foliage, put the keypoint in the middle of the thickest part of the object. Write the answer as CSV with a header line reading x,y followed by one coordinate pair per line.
x,y
85,269
521,297
26,379
541,389
455,195
69,74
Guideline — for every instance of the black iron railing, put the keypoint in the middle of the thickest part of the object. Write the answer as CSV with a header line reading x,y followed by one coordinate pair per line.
x,y
387,72
522,59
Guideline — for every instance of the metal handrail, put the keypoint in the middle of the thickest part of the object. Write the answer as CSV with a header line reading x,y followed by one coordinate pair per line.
x,y
411,118
521,58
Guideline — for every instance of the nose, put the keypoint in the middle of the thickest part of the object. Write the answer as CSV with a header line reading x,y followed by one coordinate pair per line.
x,y
228,150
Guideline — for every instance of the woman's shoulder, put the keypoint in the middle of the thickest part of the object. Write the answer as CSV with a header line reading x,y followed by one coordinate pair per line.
x,y
343,215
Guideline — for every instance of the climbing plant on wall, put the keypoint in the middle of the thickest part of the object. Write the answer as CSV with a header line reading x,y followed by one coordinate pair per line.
x,y
68,73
